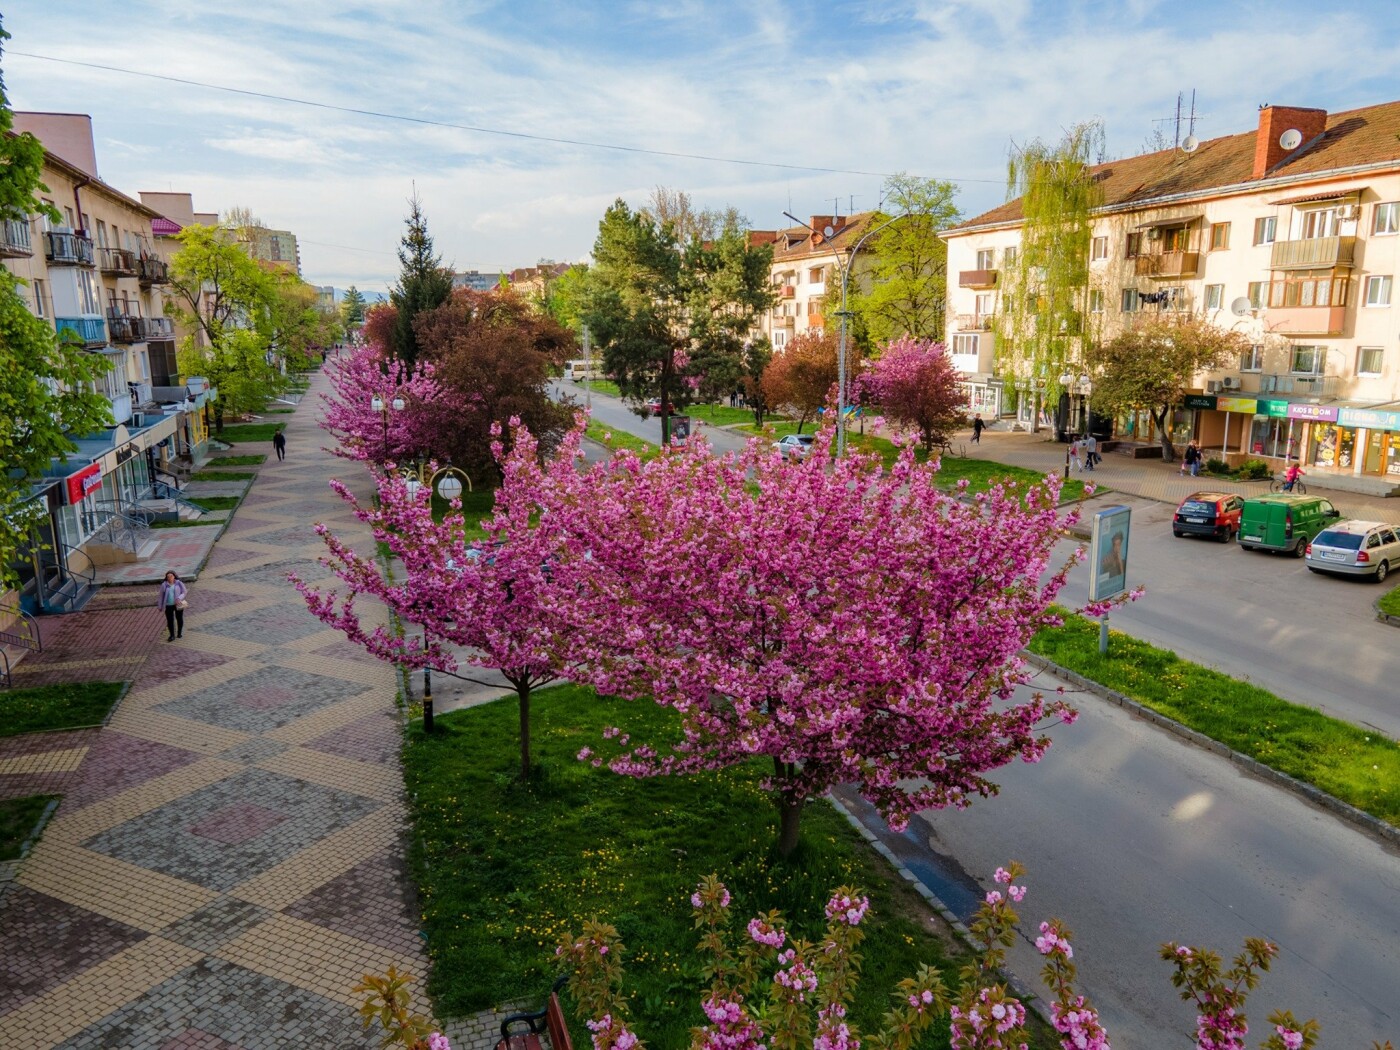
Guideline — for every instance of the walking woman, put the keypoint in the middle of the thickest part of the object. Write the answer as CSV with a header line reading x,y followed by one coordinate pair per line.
x,y
173,598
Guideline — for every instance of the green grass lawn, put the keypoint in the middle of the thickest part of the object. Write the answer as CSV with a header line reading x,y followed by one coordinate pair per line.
x,y
45,707
237,461
506,868
599,386
1358,766
18,816
249,432
617,440
223,475
1390,602
217,502
719,415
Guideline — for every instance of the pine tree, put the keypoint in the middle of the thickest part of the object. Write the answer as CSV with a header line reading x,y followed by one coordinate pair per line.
x,y
424,284
352,307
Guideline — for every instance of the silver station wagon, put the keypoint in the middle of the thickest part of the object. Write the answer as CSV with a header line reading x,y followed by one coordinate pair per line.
x,y
1356,548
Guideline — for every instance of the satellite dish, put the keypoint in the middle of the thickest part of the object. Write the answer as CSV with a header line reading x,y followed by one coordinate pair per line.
x,y
1291,139
1190,144
828,232
1240,306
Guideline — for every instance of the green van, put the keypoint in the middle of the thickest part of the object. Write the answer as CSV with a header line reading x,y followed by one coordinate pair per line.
x,y
1285,522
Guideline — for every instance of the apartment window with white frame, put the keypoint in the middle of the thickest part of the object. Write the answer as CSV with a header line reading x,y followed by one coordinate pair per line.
x,y
1252,359
1257,291
1387,220
1098,249
143,361
1264,229
780,339
816,275
966,344
1130,300
986,259
985,304
1096,300
1369,360
89,297
1219,236
1308,360
1009,255
101,234
41,297
1215,296
1378,291
1318,223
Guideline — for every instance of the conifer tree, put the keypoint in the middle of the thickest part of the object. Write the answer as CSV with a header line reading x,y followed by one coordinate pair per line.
x,y
424,283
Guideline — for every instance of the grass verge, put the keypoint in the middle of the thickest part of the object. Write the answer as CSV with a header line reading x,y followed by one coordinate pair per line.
x,y
71,705
237,461
718,415
223,475
1390,602
505,869
1360,767
617,440
217,502
248,432
18,817
599,386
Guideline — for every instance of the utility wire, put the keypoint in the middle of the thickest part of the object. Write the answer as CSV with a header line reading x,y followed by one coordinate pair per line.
x,y
381,115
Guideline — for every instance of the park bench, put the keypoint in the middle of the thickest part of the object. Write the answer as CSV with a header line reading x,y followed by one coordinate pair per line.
x,y
550,1020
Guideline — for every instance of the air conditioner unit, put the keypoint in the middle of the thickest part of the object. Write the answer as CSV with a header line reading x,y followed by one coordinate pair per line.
x,y
1212,386
1230,383
1347,211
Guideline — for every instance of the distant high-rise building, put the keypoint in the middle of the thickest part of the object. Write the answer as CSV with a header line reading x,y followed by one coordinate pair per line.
x,y
278,247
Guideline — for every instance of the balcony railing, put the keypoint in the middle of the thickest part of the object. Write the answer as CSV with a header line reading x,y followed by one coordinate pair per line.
x,y
116,261
1316,253
1307,320
90,331
978,278
68,249
1168,264
152,270
14,240
1282,383
784,321
125,328
159,328
787,291
974,322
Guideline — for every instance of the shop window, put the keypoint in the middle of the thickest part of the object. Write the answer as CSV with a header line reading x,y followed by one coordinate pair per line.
x,y
1130,300
1098,249
1215,296
1252,359
1219,236
1387,219
1378,291
1264,229
1308,360
1369,360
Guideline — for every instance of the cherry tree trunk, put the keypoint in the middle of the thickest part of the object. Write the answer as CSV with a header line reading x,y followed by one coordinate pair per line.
x,y
522,690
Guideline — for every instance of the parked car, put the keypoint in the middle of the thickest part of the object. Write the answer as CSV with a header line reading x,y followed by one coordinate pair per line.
x,y
1356,548
795,446
654,407
1209,514
1284,523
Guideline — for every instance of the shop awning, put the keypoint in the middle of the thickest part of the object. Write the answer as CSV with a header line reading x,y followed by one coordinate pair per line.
x,y
1329,195
1175,220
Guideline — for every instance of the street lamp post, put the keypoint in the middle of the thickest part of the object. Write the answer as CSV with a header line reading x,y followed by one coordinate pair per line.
x,y
378,404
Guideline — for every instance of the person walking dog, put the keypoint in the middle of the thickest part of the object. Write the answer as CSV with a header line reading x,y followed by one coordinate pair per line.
x,y
279,443
173,598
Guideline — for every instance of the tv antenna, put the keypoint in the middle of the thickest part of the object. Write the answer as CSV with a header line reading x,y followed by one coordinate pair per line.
x,y
1188,119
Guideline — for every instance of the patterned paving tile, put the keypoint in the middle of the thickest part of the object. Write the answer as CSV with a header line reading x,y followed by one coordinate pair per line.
x,y
273,625
247,1010
210,927
255,750
117,762
48,940
373,739
266,699
237,823
290,536
176,838
169,662
364,902
276,572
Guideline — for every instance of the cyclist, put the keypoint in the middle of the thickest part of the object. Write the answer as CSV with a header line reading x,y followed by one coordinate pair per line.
x,y
1291,476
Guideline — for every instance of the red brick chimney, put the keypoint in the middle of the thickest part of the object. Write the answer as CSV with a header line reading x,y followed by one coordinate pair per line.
x,y
1273,122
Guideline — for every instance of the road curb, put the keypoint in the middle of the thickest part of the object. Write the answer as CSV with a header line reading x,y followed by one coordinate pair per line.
x,y
1378,829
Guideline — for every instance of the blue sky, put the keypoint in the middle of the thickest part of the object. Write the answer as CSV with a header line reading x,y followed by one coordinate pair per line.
x,y
935,88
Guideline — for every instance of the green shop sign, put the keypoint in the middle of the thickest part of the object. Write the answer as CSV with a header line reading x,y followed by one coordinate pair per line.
x,y
1272,409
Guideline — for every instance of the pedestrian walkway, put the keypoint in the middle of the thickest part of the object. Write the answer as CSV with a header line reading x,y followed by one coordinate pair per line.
x,y
1150,478
227,860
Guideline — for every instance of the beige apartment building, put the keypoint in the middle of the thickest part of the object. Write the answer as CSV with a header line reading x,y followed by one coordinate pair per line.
x,y
1289,233
807,265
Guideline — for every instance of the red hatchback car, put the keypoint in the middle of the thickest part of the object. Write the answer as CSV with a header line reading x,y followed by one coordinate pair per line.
x,y
1214,514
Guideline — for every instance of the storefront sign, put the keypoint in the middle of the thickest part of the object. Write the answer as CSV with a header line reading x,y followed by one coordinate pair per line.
x,y
1370,418
1199,401
1235,404
1272,409
1318,412
83,482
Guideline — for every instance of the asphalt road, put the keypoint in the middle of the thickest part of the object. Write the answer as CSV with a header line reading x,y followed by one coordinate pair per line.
x,y
612,412
1135,839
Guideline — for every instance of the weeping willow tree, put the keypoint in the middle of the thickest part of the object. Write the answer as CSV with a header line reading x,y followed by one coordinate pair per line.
x,y
1043,322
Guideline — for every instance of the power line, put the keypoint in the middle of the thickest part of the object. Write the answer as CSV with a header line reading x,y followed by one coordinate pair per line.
x,y
381,115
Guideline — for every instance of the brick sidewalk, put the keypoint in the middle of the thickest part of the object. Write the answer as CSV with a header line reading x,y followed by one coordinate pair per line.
x,y
227,861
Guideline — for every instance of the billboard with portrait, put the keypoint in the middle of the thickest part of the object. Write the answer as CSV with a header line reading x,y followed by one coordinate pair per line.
x,y
1108,554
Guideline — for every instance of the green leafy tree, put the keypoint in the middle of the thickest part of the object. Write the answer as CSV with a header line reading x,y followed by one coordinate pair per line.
x,y
727,288
565,295
908,287
757,355
46,386
352,307
1042,321
1151,365
424,283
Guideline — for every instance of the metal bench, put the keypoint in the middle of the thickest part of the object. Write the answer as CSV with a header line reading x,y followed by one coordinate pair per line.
x,y
550,1020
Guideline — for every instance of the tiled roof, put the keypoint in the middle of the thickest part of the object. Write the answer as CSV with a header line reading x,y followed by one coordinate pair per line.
x,y
798,242
163,227
1352,139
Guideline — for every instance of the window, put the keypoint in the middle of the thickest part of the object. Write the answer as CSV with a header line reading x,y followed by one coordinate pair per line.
x,y
814,275
1176,239
143,362
986,259
1252,360
1256,295
1264,229
966,344
1096,300
1219,236
89,297
1130,300
41,298
1387,219
1174,299
1368,360
1098,249
1323,290
1133,247
1009,255
68,217
985,304
1378,291
101,234
1320,222
1308,360
1215,296
780,339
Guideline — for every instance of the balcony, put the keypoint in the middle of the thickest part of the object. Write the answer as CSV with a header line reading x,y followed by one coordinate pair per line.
x,y
787,291
784,321
1316,253
14,240
159,327
974,322
116,262
152,271
978,278
126,329
1315,386
141,393
1168,264
1307,320
90,331
68,249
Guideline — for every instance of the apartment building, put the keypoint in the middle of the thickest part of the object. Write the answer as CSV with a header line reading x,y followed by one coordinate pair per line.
x,y
277,248
808,262
1289,233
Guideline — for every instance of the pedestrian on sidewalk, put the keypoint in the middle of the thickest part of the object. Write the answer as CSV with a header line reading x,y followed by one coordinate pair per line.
x,y
1091,452
1074,448
1194,450
977,427
173,598
279,442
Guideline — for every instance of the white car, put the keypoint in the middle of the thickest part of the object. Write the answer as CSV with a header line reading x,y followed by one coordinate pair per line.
x,y
795,446
1356,548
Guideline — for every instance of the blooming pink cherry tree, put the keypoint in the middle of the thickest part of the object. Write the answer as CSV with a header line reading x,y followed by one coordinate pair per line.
x,y
850,625
362,373
915,384
506,601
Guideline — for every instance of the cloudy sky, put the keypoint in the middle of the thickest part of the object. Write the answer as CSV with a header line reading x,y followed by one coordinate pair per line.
x,y
780,106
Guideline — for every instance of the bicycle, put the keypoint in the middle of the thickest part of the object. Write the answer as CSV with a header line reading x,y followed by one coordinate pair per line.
x,y
1278,483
